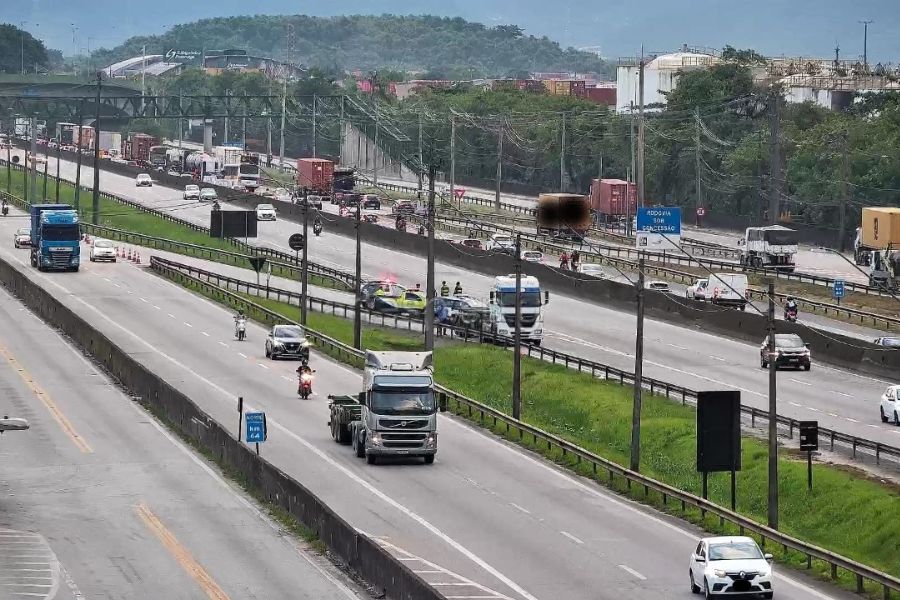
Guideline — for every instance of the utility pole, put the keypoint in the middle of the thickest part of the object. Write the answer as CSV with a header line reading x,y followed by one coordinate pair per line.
x,y
452,157
314,128
865,25
499,166
343,134
600,168
58,157
46,166
78,158
697,142
562,153
845,192
227,93
180,122
283,115
304,265
33,156
357,312
640,144
375,144
429,273
421,157
95,201
773,416
143,80
633,149
517,336
774,156
638,373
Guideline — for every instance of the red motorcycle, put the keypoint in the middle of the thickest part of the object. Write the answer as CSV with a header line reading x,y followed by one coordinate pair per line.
x,y
304,385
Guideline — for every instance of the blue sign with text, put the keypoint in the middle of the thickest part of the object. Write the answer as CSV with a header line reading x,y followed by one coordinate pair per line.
x,y
839,288
665,220
256,427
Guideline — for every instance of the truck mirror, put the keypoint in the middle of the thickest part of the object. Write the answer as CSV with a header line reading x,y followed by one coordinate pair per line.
x,y
546,296
741,242
492,297
362,398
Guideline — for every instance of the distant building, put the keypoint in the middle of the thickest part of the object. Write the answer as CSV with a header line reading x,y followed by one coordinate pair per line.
x,y
153,65
215,62
661,73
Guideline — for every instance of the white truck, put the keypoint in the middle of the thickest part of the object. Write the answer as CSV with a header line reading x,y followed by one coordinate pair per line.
x,y
503,308
395,414
728,289
771,247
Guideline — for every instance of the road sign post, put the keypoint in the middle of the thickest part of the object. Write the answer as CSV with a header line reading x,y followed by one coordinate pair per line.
x,y
838,290
240,415
809,441
256,428
459,193
658,229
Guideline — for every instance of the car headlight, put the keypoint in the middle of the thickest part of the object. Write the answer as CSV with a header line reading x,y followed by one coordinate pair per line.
x,y
539,331
375,438
719,573
431,440
278,344
765,572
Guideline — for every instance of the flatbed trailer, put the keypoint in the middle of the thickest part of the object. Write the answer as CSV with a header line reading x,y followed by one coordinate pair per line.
x,y
344,411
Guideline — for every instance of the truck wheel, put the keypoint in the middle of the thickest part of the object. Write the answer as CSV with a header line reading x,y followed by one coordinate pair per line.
x,y
371,459
343,434
429,459
360,448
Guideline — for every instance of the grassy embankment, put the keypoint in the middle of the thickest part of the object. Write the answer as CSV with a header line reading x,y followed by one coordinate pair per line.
x,y
127,218
845,512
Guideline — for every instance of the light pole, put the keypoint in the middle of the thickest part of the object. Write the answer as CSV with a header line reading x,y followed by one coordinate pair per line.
x,y
865,25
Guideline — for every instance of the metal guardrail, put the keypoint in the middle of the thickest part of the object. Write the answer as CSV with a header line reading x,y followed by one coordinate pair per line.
x,y
670,496
596,369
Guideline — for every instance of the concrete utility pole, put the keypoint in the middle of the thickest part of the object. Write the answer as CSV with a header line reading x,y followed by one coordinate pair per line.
x,y
640,147
283,116
774,156
357,312
638,373
421,158
517,336
143,71
46,165
697,142
375,145
95,200
845,192
429,272
22,39
343,133
33,156
315,130
452,157
499,166
633,173
78,158
304,265
773,416
562,154
58,160
865,25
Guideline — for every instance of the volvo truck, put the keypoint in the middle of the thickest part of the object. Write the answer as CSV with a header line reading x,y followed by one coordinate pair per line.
x,y
772,247
395,415
503,308
55,238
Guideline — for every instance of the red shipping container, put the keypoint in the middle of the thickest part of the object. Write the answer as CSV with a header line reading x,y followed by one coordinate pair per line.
x,y
315,174
614,197
602,95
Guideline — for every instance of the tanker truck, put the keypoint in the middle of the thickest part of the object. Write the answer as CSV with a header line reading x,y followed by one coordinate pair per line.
x,y
206,166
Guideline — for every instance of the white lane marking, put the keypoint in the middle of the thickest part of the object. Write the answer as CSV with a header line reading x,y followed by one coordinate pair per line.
x,y
628,569
678,347
718,358
572,537
519,508
851,420
148,302
242,355
833,415
188,324
223,344
107,280
795,404
117,285
813,409
263,366
228,396
873,426
800,381
842,394
204,333
156,307
171,315
286,378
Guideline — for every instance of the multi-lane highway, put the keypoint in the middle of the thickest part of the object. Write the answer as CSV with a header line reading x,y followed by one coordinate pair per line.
x,y
837,398
98,500
490,520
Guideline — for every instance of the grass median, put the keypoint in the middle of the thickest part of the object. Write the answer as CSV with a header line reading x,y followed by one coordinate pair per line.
x,y
128,218
846,512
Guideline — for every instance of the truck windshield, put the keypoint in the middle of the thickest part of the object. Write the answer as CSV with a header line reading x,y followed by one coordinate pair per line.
x,y
60,233
781,237
402,401
529,299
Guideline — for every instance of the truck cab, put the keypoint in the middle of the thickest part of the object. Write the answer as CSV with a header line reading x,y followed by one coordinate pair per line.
x,y
770,247
503,308
55,238
399,410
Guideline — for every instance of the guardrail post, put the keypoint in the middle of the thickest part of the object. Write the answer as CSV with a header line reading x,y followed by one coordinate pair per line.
x,y
859,584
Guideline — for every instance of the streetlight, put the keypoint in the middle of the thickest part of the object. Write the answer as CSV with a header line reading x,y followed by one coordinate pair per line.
x,y
865,25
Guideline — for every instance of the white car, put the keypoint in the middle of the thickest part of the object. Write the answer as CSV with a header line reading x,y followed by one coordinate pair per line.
x,y
592,269
191,192
890,405
143,180
730,566
103,250
500,242
22,237
265,212
658,286
532,256
208,195
698,291
282,194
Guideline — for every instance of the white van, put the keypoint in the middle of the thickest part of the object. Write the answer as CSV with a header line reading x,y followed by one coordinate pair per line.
x,y
728,289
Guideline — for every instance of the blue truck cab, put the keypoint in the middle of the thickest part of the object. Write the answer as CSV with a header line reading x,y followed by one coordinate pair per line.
x,y
55,237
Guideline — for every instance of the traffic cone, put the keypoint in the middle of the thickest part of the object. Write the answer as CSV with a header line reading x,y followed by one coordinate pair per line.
x,y
137,257
129,254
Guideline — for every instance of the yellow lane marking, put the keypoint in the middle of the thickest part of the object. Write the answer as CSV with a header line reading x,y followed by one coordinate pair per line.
x,y
44,397
180,553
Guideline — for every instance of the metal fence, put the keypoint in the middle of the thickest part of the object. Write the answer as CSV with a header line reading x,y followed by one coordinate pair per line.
x,y
672,498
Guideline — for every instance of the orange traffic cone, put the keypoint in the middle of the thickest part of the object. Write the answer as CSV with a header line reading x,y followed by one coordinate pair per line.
x,y
129,254
137,257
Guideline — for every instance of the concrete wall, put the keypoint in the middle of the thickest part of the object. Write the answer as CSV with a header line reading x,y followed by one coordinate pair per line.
x,y
373,564
359,150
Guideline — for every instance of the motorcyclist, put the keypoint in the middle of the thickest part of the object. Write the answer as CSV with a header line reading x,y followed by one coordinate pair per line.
x,y
317,225
576,258
5,207
457,289
304,376
791,308
445,289
400,225
564,260
239,317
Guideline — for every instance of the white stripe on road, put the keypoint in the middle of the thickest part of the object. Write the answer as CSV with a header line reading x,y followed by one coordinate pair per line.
x,y
628,569
571,537
519,508
801,382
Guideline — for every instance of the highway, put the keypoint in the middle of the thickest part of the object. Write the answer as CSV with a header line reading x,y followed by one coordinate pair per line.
x,y
99,500
837,398
492,521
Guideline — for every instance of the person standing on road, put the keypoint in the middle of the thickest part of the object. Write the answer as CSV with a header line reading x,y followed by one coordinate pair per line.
x,y
576,258
457,289
445,289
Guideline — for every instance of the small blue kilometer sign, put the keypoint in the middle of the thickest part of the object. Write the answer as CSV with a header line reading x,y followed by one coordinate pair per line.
x,y
256,427
838,288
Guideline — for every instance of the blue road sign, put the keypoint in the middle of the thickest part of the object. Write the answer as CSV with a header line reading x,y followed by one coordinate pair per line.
x,y
256,427
665,220
838,288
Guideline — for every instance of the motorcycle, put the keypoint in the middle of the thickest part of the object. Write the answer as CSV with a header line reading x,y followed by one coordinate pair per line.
x,y
370,218
400,225
790,314
304,386
240,329
5,209
317,228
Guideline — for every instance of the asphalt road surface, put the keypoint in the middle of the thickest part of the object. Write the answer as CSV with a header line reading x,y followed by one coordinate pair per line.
x,y
98,500
486,520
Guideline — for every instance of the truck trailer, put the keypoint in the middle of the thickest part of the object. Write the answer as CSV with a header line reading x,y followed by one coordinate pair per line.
x,y
315,174
395,414
772,247
877,245
563,215
55,237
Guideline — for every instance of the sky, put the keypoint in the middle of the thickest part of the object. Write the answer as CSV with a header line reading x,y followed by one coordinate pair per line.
x,y
772,27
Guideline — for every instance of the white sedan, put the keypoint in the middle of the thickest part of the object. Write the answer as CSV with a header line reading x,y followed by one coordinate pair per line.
x,y
191,192
265,212
103,250
698,291
592,269
22,237
532,256
732,565
143,180
890,405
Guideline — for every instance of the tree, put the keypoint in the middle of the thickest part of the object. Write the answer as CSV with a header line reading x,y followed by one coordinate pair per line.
x,y
742,57
20,50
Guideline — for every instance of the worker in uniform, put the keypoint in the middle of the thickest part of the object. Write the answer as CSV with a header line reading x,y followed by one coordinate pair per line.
x,y
445,289
457,289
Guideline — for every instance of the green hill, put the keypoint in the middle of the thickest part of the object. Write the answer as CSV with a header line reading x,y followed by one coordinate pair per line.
x,y
441,46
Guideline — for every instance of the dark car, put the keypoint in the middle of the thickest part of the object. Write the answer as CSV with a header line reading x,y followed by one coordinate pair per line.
x,y
371,202
352,200
287,341
790,350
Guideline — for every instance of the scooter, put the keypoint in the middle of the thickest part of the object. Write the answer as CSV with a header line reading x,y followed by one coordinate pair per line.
x,y
790,315
240,329
304,386
317,229
370,218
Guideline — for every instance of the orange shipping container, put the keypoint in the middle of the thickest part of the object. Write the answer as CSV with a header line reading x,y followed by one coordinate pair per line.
x,y
315,174
881,227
